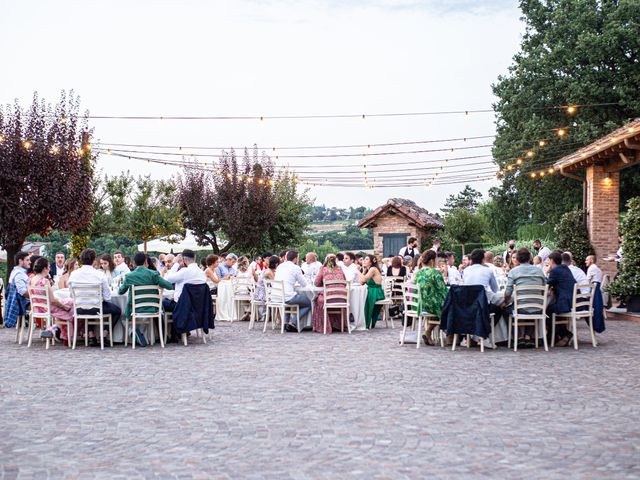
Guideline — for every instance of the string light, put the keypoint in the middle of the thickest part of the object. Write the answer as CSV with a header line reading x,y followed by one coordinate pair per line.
x,y
519,161
26,144
551,170
542,143
571,110
55,149
1,139
530,153
562,132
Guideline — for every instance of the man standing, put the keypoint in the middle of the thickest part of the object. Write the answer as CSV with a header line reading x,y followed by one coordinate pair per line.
x,y
17,295
542,252
121,266
506,256
290,273
141,276
87,275
190,274
350,268
57,268
561,282
311,265
411,249
226,269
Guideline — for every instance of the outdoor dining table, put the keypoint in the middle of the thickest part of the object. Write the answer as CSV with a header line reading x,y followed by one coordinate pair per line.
x,y
225,308
120,301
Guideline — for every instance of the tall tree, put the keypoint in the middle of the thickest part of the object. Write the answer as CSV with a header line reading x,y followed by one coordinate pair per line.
x,y
45,179
464,226
469,198
573,52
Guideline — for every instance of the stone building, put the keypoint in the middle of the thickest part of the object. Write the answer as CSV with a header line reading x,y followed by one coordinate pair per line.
x,y
397,220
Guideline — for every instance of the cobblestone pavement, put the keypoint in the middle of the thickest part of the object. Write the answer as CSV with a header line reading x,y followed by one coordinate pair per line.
x,y
253,405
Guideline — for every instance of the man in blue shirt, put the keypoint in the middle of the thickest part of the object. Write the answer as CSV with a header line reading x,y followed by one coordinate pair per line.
x,y
561,282
226,269
17,290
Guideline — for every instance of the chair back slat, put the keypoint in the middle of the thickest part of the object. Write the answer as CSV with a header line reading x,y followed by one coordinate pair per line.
x,y
145,296
336,291
40,298
583,297
411,299
530,297
86,297
274,291
397,287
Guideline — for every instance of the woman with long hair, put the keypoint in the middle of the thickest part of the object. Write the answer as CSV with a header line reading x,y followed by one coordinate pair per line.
x,y
433,289
372,278
69,266
269,273
107,265
329,271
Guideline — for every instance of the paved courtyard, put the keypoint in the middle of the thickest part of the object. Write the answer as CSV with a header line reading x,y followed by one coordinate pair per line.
x,y
249,405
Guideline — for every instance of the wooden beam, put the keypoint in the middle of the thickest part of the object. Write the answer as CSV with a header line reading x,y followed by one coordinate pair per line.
x,y
618,165
624,158
630,144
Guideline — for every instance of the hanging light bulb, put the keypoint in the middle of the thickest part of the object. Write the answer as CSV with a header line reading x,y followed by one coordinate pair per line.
x,y
533,175
519,161
571,110
551,170
542,143
26,144
530,153
561,132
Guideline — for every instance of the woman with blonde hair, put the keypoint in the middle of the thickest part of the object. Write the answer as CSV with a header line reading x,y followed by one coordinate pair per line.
x,y
69,266
329,271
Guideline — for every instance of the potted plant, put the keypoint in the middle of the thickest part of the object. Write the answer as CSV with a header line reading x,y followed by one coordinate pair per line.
x,y
627,283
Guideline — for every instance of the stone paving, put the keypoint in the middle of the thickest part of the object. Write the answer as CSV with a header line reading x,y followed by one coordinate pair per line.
x,y
253,405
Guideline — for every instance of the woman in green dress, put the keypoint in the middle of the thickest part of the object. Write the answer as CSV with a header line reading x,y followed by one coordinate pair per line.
x,y
433,289
373,279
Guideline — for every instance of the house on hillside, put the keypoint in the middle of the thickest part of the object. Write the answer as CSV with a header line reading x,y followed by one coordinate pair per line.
x,y
397,220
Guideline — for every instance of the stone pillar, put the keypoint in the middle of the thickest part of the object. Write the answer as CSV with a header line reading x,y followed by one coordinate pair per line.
x,y
603,211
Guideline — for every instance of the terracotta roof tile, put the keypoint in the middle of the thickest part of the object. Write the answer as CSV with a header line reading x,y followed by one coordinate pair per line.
x,y
408,209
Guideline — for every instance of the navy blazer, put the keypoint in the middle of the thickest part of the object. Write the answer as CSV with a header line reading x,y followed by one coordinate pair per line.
x,y
194,309
466,310
561,281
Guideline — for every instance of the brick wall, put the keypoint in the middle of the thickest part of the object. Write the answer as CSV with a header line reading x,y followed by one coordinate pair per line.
x,y
388,223
603,209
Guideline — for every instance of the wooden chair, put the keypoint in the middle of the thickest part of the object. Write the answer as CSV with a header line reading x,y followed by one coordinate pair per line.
x,y
430,319
337,296
243,289
387,287
42,301
411,299
145,296
528,297
276,306
582,307
255,306
89,297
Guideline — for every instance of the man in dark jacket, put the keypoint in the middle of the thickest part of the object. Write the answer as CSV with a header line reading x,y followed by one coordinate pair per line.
x,y
561,282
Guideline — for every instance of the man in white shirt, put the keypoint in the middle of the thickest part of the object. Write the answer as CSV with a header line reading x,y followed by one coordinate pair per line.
x,y
578,274
190,273
453,274
511,250
594,273
121,266
479,274
411,249
87,275
542,252
350,268
311,266
489,257
290,273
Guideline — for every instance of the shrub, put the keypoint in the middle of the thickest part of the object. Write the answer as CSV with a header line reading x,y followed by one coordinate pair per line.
x,y
572,235
627,283
535,231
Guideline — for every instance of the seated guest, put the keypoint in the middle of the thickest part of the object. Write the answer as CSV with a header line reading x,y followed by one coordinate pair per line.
x,y
226,269
453,274
311,265
107,266
561,282
465,263
160,265
350,268
168,264
17,294
283,257
494,263
60,309
523,274
340,259
141,276
542,252
479,274
152,263
537,262
258,265
243,270
122,266
213,279
189,274
33,258
69,266
87,275
290,273
260,293
56,269
360,262
397,269
578,274
433,290
329,271
372,278
594,273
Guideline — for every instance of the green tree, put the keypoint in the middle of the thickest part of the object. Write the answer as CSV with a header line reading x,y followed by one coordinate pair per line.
x,y
627,283
154,211
321,249
464,226
573,52
572,235
468,198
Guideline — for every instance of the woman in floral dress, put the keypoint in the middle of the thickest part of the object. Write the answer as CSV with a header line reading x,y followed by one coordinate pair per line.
x,y
329,271
433,289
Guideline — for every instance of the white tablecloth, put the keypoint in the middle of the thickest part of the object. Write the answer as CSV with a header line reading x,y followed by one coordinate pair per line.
x,y
357,299
225,310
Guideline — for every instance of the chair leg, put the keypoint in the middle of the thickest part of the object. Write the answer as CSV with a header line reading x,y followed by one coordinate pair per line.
x,y
126,332
544,334
553,329
493,335
404,328
19,330
184,339
133,332
204,337
441,335
455,340
31,328
266,319
282,320
325,319
481,345
160,333
515,334
418,336
593,334
535,331
575,332
101,333
468,341
347,320
86,332
387,313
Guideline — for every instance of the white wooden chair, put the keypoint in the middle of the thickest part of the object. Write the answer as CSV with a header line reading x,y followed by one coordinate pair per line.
x,y
337,296
167,318
276,306
43,302
387,287
255,306
528,297
243,289
411,299
582,307
145,296
21,324
430,319
468,336
86,297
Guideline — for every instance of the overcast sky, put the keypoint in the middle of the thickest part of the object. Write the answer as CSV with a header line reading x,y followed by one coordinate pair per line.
x,y
299,57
